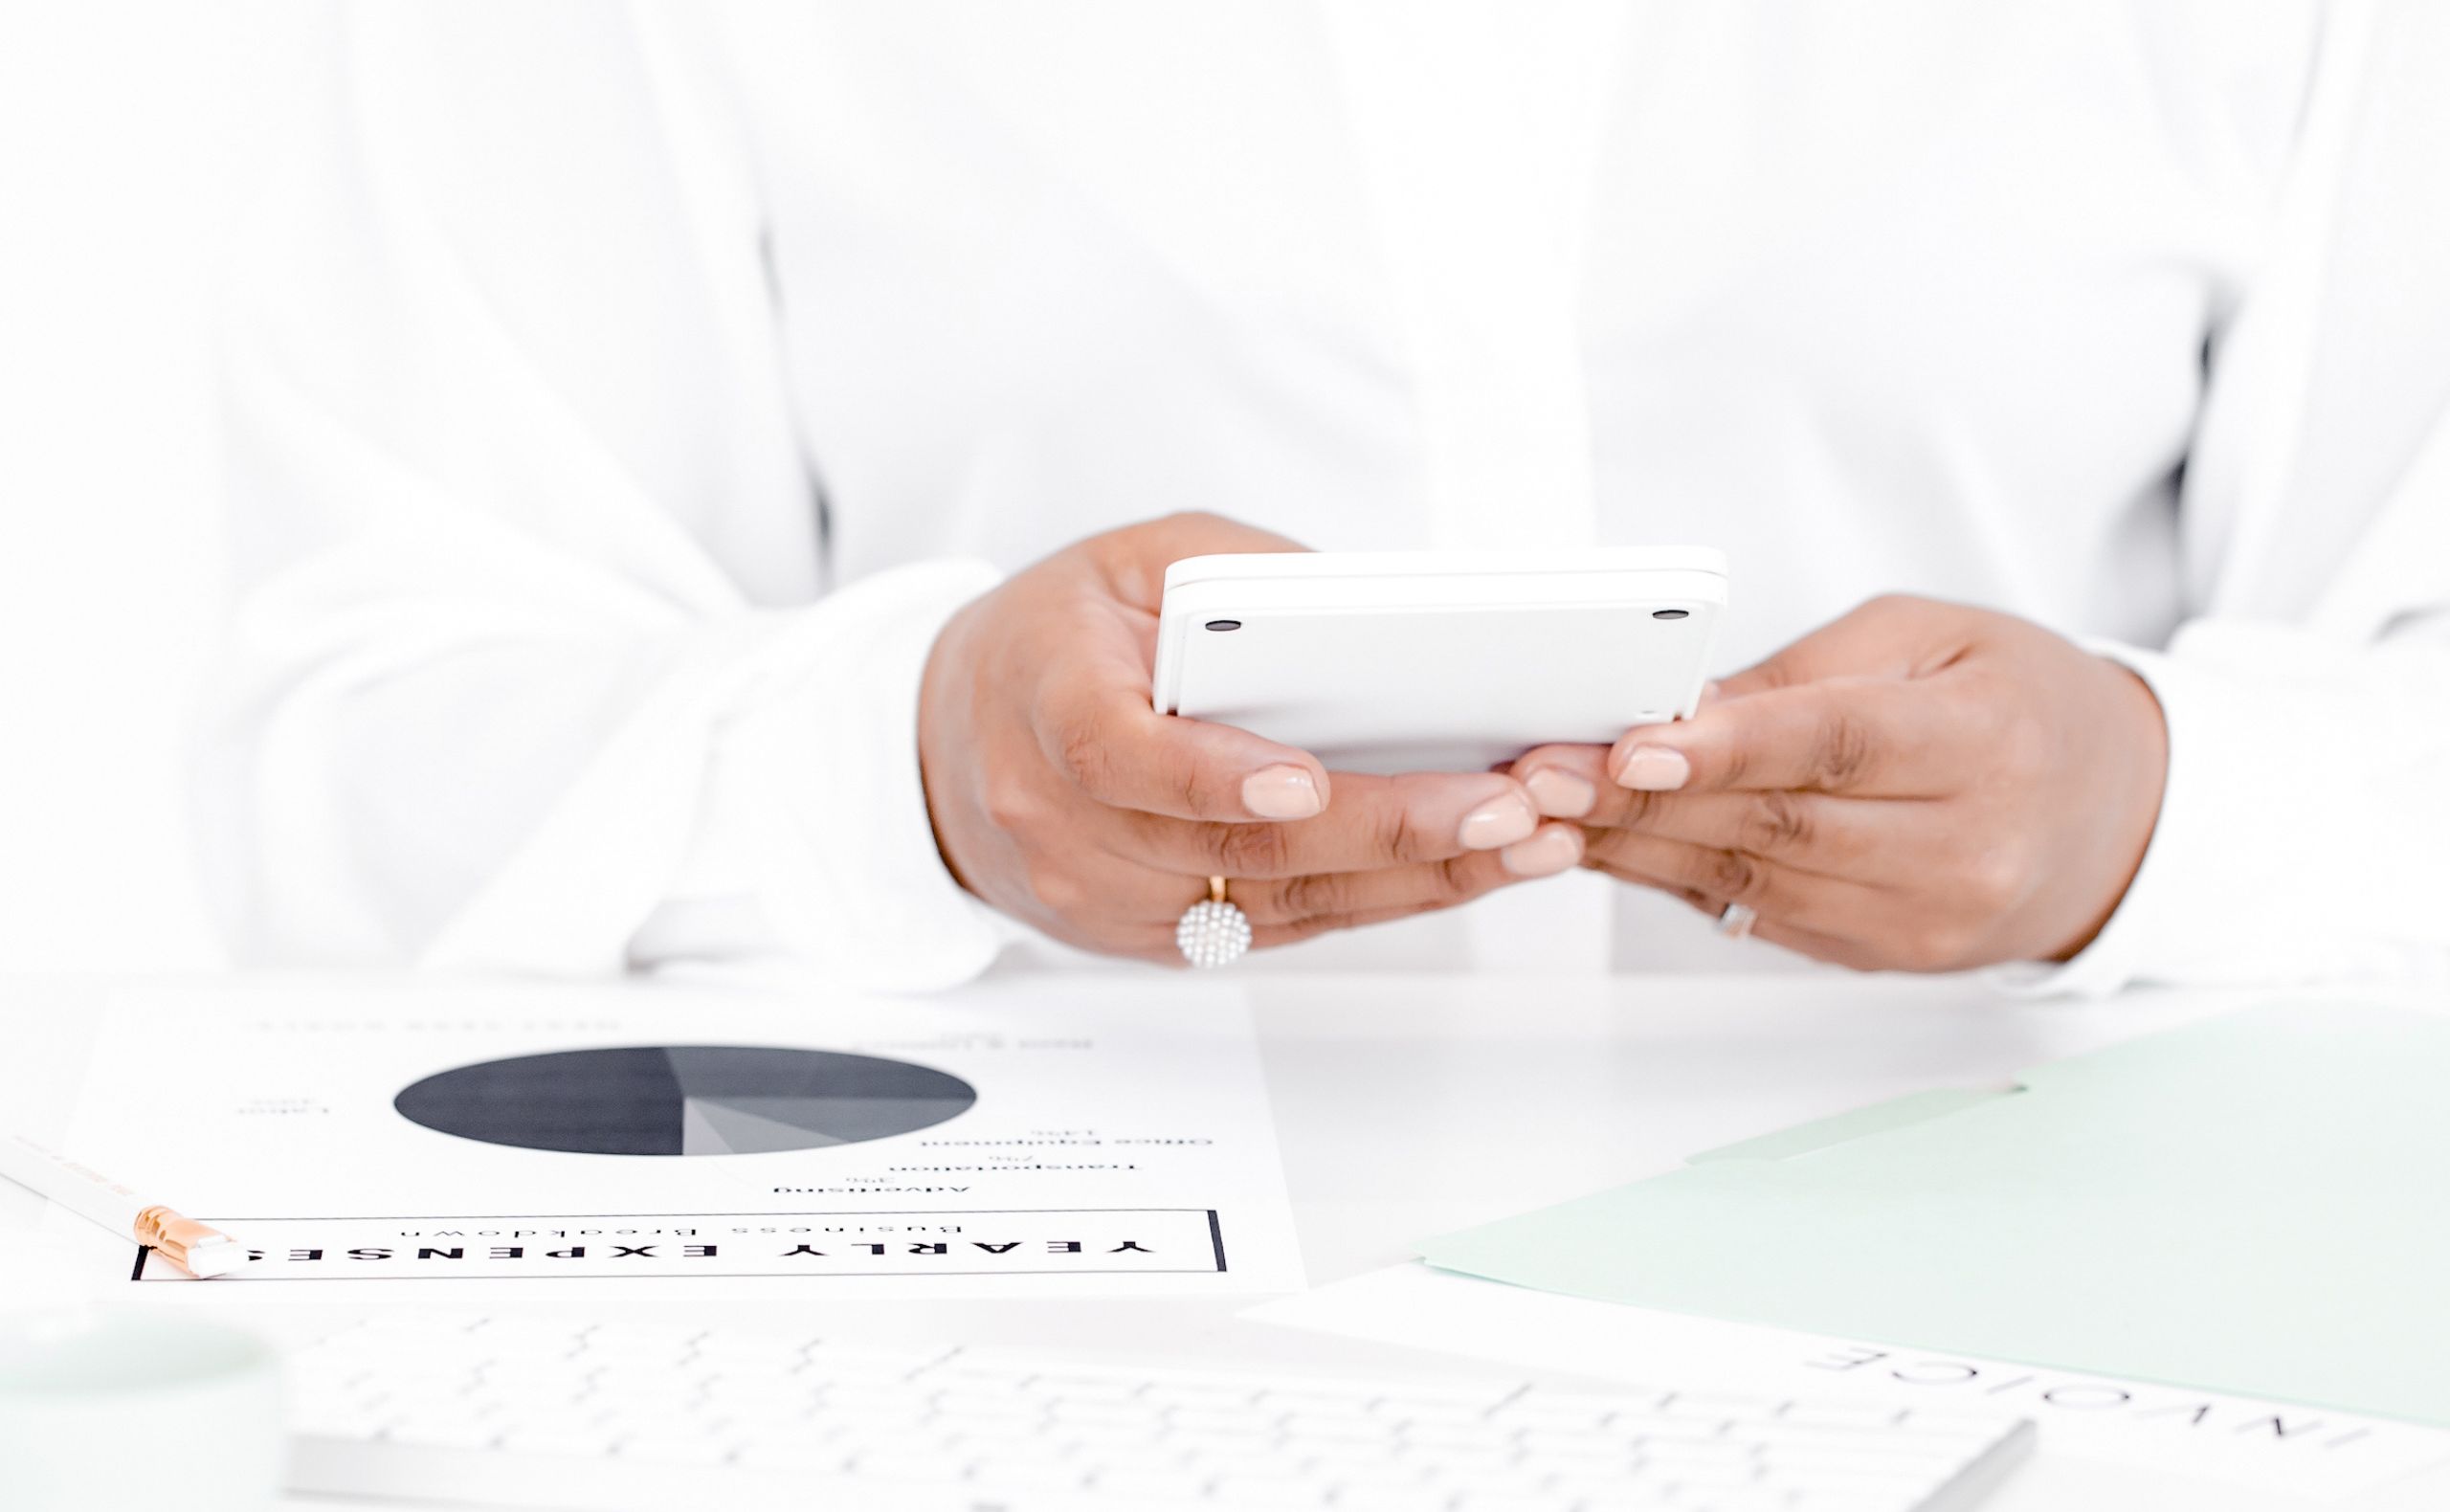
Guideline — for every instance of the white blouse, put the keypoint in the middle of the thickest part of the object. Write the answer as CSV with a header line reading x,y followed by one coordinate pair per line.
x,y
622,398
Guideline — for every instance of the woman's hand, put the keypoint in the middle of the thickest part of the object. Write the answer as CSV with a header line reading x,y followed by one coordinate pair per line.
x,y
1060,796
1919,786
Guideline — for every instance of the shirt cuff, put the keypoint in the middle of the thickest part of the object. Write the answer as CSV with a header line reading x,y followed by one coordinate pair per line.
x,y
2236,886
815,841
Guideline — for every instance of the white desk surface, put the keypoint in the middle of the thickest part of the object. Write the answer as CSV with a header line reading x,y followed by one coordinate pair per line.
x,y
1410,1105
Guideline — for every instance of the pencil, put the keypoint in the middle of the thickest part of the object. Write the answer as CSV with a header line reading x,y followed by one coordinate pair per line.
x,y
197,1249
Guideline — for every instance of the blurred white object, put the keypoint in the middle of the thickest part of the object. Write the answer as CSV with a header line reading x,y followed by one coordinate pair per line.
x,y
559,1411
629,394
111,542
103,1409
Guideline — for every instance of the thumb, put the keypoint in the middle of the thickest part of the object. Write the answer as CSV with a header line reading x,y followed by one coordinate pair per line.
x,y
1134,558
1891,636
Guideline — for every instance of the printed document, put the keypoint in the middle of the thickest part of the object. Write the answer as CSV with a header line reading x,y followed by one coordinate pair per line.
x,y
1066,1139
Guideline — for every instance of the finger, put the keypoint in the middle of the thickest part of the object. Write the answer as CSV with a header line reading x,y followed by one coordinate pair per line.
x,y
1891,636
1834,906
1099,730
1271,937
1570,782
1829,835
1427,884
1268,937
1294,909
1375,822
1862,736
1133,562
1837,950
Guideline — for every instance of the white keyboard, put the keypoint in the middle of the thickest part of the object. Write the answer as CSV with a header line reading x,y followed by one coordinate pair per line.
x,y
557,1413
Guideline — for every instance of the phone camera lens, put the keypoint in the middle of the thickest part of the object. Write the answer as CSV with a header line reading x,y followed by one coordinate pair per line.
x,y
1235,624
1656,613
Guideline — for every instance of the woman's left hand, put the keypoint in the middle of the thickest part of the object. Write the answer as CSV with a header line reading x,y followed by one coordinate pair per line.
x,y
1918,785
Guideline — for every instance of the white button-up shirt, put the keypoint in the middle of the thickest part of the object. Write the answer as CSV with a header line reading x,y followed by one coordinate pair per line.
x,y
624,397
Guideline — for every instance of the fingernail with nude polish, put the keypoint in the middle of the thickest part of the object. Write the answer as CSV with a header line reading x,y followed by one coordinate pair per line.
x,y
1653,768
1559,793
1280,792
1498,822
1556,848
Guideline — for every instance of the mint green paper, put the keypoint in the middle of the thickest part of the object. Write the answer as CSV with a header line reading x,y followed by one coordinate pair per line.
x,y
2258,1205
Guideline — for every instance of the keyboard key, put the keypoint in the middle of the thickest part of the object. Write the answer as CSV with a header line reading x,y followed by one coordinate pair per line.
x,y
1839,1415
1317,1406
1199,1397
650,1344
1265,1491
863,1365
575,1442
1024,1474
1532,1419
976,1407
1500,1483
1585,1458
1313,1431
1586,1405
1725,1500
1387,1498
1181,1484
1388,1469
1696,1453
1454,1461
1406,1410
1130,1414
1093,1435
1722,1408
985,1380
735,1351
797,1457
1081,1388
999,1436
1220,1420
426,1322
908,1467
1222,1446
758,1416
1459,1436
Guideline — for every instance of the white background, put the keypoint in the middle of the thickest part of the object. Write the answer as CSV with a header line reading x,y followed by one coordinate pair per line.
x,y
124,132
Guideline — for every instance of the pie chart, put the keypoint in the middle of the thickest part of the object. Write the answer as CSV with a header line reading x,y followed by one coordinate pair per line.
x,y
684,1100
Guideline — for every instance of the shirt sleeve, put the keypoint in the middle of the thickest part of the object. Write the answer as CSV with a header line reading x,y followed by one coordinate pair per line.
x,y
2302,826
2305,820
535,664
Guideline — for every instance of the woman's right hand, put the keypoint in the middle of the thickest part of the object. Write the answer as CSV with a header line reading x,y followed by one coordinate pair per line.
x,y
1062,798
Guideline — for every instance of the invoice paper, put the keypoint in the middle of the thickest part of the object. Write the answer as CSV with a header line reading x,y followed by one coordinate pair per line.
x,y
1056,1138
2249,1204
2310,1451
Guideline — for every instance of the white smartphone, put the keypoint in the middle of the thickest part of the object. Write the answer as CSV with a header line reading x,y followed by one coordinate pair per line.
x,y
1388,661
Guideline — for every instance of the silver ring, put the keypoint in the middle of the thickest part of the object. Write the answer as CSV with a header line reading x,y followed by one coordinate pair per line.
x,y
1212,931
1735,920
